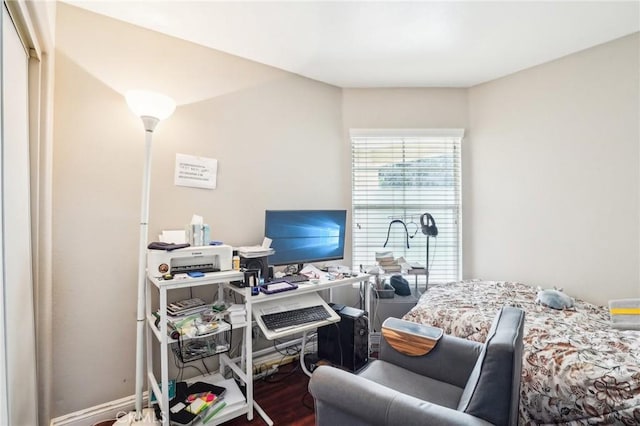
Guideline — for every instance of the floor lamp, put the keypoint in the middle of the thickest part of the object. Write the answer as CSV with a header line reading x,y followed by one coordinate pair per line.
x,y
151,108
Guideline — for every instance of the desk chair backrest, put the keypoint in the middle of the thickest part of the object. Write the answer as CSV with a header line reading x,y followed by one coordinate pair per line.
x,y
493,389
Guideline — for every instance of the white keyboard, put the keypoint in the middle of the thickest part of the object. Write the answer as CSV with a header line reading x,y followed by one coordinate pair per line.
x,y
293,302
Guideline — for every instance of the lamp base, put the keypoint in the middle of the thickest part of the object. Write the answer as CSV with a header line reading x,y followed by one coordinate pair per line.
x,y
148,419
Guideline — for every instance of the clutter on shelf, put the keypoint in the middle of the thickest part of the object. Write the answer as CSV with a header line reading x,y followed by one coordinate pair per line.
x,y
192,318
198,327
202,402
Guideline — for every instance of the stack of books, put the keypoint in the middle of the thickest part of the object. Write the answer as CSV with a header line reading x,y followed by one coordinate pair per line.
x,y
387,262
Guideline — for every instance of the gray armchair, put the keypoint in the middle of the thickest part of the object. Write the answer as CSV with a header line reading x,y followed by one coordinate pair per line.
x,y
459,382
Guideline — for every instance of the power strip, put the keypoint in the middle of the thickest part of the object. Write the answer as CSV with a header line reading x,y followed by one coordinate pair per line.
x,y
374,341
267,373
275,362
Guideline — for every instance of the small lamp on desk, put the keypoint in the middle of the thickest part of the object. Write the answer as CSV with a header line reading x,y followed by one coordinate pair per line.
x,y
151,108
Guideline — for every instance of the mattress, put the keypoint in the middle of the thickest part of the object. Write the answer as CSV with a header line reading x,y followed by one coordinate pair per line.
x,y
577,369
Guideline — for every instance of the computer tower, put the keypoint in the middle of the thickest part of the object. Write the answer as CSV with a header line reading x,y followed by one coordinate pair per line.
x,y
345,343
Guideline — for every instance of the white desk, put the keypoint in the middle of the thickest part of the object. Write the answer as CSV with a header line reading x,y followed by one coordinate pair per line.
x,y
243,369
416,272
304,287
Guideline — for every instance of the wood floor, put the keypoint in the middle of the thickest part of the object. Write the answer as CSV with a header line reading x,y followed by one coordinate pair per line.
x,y
284,397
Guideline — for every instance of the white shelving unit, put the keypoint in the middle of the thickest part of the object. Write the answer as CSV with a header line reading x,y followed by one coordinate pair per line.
x,y
236,406
241,366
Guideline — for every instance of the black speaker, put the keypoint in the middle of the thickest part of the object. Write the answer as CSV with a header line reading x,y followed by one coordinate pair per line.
x,y
345,343
260,263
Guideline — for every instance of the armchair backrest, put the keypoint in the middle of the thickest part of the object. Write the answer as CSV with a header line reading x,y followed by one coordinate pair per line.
x,y
493,389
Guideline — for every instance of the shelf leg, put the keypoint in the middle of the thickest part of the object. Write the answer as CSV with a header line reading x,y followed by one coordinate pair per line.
x,y
164,358
262,414
248,352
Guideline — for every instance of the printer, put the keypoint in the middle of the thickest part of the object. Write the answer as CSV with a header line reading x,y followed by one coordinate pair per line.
x,y
189,259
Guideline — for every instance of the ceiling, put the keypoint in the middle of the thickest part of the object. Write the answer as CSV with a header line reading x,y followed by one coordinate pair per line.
x,y
387,43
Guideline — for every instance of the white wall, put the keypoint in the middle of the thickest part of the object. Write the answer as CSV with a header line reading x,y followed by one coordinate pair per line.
x,y
277,137
404,108
552,186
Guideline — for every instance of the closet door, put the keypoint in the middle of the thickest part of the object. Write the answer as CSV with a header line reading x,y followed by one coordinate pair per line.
x,y
17,280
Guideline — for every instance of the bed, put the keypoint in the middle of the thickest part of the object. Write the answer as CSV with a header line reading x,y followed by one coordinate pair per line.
x,y
576,368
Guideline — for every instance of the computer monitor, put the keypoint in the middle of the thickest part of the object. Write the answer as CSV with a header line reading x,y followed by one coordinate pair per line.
x,y
305,236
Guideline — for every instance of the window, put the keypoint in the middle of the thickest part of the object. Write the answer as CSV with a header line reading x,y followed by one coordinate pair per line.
x,y
400,175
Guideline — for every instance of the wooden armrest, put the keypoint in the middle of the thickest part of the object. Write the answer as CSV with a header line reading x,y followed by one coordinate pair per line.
x,y
410,338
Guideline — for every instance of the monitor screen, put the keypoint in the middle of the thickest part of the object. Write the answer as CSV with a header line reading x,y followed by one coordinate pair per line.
x,y
305,236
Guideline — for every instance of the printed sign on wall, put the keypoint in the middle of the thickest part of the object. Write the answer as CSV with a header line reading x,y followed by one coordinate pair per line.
x,y
197,172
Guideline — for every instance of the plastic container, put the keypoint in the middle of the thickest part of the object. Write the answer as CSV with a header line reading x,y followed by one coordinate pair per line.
x,y
192,349
387,292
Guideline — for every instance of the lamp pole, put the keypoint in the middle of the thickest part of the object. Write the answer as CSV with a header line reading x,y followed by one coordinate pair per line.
x,y
151,108
149,124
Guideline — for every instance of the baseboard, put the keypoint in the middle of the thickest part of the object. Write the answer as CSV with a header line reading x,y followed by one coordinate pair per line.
x,y
107,411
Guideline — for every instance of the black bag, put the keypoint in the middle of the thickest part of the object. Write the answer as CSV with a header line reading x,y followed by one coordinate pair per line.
x,y
400,285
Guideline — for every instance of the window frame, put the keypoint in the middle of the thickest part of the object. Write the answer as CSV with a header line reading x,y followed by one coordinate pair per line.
x,y
445,133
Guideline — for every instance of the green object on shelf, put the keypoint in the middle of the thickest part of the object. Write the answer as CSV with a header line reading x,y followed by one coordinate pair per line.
x,y
214,410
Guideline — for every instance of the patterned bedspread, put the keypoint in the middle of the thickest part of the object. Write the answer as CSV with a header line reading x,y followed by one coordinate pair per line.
x,y
577,370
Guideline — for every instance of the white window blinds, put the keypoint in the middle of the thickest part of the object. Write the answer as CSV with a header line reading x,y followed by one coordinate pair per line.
x,y
400,175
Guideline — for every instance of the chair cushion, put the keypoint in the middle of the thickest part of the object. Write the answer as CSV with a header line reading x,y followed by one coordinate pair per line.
x,y
413,384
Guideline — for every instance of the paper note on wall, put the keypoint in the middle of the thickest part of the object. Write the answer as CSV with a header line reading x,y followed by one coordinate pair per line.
x,y
196,172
